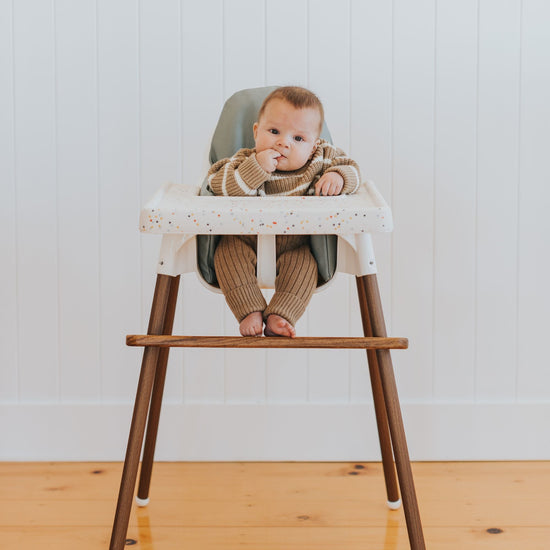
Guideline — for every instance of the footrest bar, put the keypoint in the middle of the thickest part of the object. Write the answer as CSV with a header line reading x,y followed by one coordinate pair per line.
x,y
266,342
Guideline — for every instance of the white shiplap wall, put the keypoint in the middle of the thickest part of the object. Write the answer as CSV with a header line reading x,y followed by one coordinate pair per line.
x,y
443,103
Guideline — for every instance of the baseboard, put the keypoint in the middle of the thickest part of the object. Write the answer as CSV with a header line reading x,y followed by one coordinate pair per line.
x,y
278,432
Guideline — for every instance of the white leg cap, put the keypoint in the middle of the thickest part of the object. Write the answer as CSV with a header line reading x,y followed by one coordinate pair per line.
x,y
141,502
394,505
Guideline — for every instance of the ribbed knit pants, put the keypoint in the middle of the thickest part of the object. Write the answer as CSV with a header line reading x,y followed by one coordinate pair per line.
x,y
296,278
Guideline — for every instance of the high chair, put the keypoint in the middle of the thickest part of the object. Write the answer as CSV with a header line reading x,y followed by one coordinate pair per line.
x,y
341,228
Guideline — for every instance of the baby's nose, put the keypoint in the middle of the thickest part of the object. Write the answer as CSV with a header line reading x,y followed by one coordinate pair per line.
x,y
283,140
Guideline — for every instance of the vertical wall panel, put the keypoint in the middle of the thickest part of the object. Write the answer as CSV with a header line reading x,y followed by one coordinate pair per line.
x,y
413,193
534,198
455,195
287,373
8,248
244,67
286,43
328,311
497,194
202,97
37,237
160,139
443,104
160,94
371,91
202,29
244,45
120,266
329,66
78,216
371,146
286,58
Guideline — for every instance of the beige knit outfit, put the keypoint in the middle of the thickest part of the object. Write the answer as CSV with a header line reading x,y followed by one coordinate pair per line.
x,y
235,256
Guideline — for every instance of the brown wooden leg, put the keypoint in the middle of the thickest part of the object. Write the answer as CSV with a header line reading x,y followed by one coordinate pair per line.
x,y
156,399
392,489
139,418
395,420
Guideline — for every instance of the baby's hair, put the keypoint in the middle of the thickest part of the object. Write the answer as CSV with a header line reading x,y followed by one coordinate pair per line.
x,y
298,97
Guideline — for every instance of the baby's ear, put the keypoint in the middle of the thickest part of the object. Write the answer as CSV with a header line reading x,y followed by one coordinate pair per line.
x,y
315,145
255,130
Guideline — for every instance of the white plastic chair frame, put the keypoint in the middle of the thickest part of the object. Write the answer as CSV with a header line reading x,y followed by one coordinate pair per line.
x,y
179,214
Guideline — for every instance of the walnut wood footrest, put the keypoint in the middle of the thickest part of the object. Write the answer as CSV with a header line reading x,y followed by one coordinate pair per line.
x,y
265,342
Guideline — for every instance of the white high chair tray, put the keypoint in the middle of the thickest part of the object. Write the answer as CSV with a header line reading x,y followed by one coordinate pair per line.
x,y
178,208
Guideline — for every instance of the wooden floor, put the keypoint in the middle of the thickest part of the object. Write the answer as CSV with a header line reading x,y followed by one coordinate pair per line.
x,y
276,506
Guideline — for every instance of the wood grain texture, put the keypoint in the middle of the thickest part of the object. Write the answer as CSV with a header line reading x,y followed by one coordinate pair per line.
x,y
395,420
308,506
381,414
164,300
309,342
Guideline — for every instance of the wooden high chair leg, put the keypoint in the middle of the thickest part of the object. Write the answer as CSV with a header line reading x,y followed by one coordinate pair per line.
x,y
139,418
395,420
384,437
156,400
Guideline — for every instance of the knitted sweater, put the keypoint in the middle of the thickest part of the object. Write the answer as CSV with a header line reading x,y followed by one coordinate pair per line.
x,y
241,175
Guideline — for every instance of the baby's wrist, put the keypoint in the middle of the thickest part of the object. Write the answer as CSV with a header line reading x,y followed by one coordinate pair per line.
x,y
252,172
337,178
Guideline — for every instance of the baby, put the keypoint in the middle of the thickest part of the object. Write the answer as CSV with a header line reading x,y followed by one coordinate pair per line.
x,y
289,159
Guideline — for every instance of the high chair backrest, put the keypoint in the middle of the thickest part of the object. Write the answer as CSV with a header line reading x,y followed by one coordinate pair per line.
x,y
234,131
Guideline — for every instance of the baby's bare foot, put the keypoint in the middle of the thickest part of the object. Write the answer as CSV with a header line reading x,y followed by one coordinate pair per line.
x,y
275,325
252,324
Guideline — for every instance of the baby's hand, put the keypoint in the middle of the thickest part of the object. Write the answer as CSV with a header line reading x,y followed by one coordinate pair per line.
x,y
330,183
267,159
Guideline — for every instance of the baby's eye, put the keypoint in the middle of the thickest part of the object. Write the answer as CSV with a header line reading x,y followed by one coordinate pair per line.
x,y
298,138
273,131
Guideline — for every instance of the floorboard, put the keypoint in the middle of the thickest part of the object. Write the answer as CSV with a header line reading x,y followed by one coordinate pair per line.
x,y
268,506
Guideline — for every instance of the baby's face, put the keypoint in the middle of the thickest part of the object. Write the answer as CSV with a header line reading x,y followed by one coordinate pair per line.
x,y
293,133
